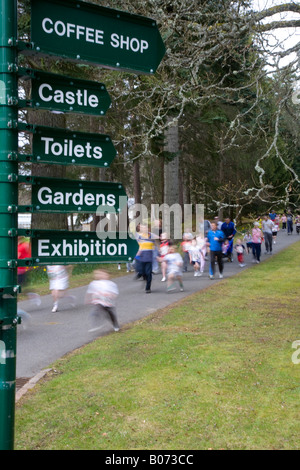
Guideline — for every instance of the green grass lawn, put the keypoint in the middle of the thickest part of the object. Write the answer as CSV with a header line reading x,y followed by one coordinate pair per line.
x,y
214,371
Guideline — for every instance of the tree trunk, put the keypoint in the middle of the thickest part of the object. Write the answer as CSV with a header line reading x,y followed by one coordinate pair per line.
x,y
171,171
171,176
137,182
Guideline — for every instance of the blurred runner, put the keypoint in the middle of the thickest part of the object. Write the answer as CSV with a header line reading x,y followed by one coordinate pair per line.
x,y
174,268
59,284
24,252
102,294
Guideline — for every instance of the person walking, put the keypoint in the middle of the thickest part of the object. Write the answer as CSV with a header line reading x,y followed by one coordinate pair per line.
x,y
257,238
228,228
284,221
273,215
215,239
267,228
290,222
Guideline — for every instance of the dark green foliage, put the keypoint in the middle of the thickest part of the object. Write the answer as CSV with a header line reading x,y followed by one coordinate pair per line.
x,y
213,82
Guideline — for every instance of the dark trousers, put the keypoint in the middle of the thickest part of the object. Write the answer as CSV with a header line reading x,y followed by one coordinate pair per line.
x,y
146,272
268,241
186,261
256,250
100,311
290,226
213,256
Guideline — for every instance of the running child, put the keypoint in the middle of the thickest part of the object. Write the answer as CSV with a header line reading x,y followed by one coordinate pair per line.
x,y
163,251
102,294
248,240
174,268
201,243
240,249
195,256
59,282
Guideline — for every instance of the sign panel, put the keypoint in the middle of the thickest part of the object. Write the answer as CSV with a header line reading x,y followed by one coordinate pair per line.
x,y
67,196
64,147
59,93
86,32
61,247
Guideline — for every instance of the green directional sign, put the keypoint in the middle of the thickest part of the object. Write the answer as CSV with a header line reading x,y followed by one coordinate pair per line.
x,y
65,147
59,93
67,196
61,247
86,32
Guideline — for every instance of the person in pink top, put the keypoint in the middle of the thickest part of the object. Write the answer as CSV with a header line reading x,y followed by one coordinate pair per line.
x,y
257,238
284,220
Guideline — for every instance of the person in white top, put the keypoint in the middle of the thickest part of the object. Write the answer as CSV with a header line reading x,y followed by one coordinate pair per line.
x,y
174,268
195,255
102,294
201,242
58,283
267,228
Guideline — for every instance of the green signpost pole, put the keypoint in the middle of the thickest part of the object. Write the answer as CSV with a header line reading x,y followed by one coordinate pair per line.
x,y
8,219
82,32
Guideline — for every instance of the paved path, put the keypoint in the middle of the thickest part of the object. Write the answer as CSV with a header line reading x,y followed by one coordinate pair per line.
x,y
52,335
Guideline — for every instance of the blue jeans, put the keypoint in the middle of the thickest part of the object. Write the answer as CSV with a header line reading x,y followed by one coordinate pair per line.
x,y
290,227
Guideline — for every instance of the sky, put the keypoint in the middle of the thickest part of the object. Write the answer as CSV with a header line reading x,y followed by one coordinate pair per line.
x,y
288,37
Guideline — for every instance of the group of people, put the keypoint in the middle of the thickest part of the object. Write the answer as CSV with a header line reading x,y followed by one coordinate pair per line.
x,y
173,264
101,293
287,221
216,242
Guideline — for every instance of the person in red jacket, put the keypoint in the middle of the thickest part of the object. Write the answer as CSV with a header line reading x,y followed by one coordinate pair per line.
x,y
24,251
